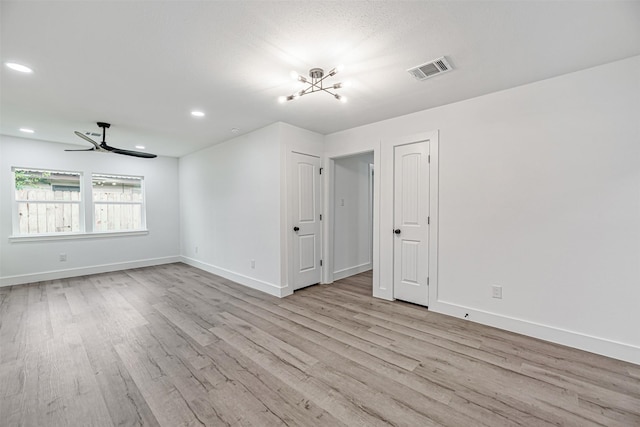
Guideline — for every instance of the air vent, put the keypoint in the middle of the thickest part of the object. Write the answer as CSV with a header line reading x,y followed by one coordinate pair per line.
x,y
430,69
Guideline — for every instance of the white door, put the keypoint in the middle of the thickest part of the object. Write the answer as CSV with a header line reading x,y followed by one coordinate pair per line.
x,y
410,218
306,220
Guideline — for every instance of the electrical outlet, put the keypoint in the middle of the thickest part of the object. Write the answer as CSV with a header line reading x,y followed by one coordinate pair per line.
x,y
253,263
341,202
496,291
63,257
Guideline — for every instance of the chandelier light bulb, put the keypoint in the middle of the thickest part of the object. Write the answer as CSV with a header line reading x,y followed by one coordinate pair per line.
x,y
19,67
343,99
282,99
336,70
294,75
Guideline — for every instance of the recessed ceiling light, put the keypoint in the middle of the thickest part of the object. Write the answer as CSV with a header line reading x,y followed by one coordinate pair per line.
x,y
235,130
26,130
140,147
197,113
19,67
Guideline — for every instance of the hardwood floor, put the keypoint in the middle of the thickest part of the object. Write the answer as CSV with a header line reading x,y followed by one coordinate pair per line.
x,y
173,345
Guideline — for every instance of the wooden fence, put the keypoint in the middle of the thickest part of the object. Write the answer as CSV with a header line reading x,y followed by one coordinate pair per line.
x,y
44,211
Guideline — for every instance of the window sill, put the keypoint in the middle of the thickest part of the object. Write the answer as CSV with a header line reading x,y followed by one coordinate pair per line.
x,y
76,236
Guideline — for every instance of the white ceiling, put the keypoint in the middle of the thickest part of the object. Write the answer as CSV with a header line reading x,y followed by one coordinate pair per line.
x,y
143,66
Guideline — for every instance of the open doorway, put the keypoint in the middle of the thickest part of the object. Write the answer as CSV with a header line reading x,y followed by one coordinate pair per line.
x,y
352,201
384,215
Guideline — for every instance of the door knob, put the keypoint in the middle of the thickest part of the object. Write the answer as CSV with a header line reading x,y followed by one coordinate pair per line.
x,y
397,231
296,228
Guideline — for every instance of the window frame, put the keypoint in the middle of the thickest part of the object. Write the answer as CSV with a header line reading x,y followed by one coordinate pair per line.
x,y
15,217
86,207
142,203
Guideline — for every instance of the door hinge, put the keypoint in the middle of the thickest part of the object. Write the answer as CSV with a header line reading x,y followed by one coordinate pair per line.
x,y
320,263
429,158
427,280
321,171
428,220
320,217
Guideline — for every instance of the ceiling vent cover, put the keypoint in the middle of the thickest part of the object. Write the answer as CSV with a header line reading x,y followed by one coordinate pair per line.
x,y
430,69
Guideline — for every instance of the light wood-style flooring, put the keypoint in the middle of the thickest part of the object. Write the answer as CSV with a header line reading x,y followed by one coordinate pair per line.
x,y
173,345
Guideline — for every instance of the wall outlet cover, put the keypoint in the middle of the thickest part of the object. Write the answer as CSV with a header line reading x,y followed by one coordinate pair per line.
x,y
496,291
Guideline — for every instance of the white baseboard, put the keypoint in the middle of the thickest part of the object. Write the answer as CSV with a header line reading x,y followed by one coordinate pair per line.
x,y
602,346
84,271
241,279
346,272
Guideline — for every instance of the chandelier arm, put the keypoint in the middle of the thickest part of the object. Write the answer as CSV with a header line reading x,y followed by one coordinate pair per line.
x,y
305,91
326,76
313,87
316,84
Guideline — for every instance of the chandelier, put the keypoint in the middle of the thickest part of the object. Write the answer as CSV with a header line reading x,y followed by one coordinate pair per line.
x,y
316,83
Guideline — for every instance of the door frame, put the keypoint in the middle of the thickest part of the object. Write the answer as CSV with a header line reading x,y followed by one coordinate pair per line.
x,y
292,209
329,194
383,155
287,266
385,289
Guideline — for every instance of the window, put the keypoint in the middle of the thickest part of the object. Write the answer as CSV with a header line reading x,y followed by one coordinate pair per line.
x,y
118,203
47,202
50,204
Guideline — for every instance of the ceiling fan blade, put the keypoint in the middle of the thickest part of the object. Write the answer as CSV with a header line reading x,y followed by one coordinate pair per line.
x,y
132,153
102,146
86,138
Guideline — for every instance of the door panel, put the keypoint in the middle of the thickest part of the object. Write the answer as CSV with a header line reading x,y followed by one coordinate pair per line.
x,y
409,187
307,252
306,196
306,218
410,256
411,213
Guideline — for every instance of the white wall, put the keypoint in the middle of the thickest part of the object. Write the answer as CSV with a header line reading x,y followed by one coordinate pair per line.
x,y
234,206
230,209
30,261
352,225
540,193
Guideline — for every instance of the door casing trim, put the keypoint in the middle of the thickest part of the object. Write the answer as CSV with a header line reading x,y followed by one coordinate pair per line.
x,y
387,146
383,210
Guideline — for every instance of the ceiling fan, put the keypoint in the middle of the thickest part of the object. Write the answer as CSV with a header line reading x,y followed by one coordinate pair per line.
x,y
102,146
